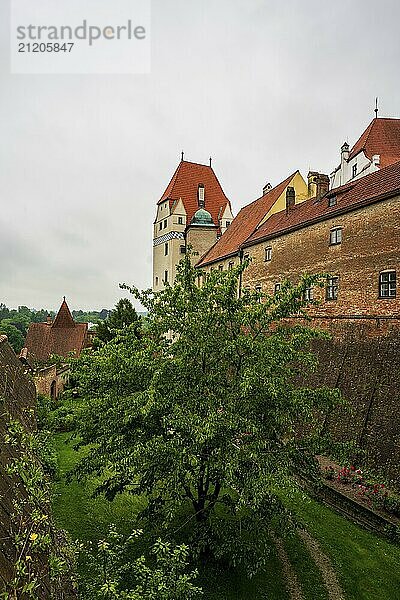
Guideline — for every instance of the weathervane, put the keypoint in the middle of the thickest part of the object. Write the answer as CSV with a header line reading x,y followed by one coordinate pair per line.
x,y
182,155
210,161
376,108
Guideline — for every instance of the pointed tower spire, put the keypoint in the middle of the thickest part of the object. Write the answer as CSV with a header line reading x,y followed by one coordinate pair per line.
x,y
64,317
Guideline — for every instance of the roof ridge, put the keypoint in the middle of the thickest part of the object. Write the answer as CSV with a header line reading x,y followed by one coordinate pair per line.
x,y
170,182
387,119
363,138
222,189
191,162
271,190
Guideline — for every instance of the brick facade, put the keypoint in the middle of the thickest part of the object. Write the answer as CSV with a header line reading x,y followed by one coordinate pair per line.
x,y
370,244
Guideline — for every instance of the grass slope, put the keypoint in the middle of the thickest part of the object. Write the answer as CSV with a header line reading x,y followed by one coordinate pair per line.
x,y
367,566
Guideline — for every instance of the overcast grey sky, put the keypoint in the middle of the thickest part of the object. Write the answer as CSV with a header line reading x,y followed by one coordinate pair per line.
x,y
264,87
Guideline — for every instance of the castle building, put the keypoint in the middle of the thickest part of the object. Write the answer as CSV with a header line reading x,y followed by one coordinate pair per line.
x,y
193,210
346,226
377,148
351,233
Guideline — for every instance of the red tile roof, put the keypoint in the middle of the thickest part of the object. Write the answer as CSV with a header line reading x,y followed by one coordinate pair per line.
x,y
243,225
184,184
60,337
361,192
64,317
382,137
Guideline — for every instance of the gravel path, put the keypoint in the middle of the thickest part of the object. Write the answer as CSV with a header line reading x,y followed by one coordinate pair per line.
x,y
292,582
335,592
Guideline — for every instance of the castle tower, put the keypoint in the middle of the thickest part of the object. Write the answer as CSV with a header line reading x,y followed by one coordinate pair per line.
x,y
193,190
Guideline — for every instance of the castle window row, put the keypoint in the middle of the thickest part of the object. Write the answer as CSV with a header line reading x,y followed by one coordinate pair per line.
x,y
387,287
335,238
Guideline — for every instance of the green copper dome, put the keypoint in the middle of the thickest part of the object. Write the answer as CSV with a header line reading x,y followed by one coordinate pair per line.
x,y
202,217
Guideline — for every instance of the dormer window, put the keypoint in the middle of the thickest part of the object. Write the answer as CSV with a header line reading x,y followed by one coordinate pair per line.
x,y
201,195
332,201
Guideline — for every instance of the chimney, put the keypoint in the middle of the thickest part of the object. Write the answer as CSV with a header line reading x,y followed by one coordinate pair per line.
x,y
201,195
267,187
376,160
49,320
290,198
318,184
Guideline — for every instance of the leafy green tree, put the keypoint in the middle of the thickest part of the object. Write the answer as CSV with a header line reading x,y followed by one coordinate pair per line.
x,y
202,415
15,336
124,315
4,312
40,316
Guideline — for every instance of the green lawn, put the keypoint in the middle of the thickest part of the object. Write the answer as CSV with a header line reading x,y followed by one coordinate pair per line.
x,y
367,566
86,518
309,576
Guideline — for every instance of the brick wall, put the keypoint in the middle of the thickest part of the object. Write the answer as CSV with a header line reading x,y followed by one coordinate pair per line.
x,y
367,371
370,244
